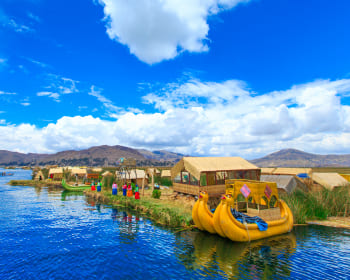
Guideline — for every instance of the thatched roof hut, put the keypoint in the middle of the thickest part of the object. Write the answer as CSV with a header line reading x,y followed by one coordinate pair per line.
x,y
38,176
285,183
329,180
56,173
166,173
193,174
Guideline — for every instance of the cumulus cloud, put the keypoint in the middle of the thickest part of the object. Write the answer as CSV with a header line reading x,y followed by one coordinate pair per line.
x,y
156,30
208,118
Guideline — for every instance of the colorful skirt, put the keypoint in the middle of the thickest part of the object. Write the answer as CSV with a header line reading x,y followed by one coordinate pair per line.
x,y
124,192
137,195
129,194
114,191
93,188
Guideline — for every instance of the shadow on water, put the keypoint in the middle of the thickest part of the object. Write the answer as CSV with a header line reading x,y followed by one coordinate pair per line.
x,y
260,259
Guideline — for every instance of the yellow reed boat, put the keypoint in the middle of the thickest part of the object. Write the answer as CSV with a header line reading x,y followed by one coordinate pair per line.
x,y
260,199
249,199
201,214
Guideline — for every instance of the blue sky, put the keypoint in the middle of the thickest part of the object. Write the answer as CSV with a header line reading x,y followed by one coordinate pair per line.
x,y
207,78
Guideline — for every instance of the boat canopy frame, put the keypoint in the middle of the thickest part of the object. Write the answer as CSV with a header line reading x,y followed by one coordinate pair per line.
x,y
258,190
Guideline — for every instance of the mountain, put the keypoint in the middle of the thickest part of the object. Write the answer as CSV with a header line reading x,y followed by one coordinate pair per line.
x,y
296,158
94,156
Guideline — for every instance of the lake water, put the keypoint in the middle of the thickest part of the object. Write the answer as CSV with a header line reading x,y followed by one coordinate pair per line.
x,y
50,234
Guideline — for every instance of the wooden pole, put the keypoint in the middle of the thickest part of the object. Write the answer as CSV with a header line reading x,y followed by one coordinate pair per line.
x,y
143,186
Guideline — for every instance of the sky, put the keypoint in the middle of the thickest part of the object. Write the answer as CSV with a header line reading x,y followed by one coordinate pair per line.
x,y
199,77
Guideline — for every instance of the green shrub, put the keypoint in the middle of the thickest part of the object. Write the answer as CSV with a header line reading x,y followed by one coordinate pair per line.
x,y
162,181
317,205
156,193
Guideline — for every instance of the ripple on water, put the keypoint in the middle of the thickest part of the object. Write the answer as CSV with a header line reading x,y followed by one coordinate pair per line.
x,y
47,234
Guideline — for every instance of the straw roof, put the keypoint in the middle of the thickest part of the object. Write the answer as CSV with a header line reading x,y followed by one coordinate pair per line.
x,y
166,173
286,171
285,182
79,171
39,174
329,180
134,174
57,170
196,165
97,169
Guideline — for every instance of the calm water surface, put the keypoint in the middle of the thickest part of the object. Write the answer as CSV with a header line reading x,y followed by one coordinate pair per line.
x,y
50,234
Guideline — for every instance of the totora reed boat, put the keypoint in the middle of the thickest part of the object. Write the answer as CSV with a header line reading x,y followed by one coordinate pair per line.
x,y
250,210
71,188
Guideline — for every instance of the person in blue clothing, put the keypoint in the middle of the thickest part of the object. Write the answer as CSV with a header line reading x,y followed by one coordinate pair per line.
x,y
114,189
98,186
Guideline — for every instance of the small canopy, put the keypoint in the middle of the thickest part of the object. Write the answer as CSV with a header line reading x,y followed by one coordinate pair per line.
x,y
196,165
329,180
254,189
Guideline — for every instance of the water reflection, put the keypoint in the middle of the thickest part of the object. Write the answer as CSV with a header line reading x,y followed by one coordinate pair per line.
x,y
262,259
68,195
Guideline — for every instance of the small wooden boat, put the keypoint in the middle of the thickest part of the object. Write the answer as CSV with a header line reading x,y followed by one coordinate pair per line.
x,y
78,188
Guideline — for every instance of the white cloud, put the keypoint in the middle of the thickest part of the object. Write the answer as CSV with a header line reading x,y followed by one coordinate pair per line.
x,y
6,93
107,103
53,95
208,118
58,86
17,27
33,17
156,30
25,103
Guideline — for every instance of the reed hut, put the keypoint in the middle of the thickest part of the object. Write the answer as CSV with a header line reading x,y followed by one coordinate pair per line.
x,y
78,173
166,173
39,176
136,176
56,174
194,174
153,171
285,183
329,180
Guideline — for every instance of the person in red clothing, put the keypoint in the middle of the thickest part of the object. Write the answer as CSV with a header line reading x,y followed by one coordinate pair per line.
x,y
93,188
137,194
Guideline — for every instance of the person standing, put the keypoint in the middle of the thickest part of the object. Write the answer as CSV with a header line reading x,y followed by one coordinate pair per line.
x,y
98,186
93,188
114,189
137,194
129,194
124,189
